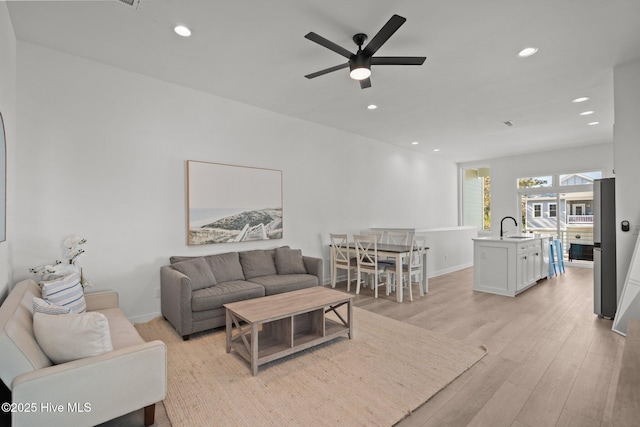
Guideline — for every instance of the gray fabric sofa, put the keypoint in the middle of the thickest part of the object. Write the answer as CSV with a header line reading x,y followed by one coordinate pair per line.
x,y
194,289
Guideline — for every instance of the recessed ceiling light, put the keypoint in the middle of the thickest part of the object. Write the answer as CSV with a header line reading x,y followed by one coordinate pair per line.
x,y
586,113
415,143
581,99
436,149
593,123
527,51
183,31
372,106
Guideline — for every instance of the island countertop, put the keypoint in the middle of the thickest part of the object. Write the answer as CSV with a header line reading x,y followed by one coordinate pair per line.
x,y
514,239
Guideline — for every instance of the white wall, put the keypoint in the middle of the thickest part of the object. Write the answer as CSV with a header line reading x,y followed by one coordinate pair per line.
x,y
450,249
7,108
505,171
626,80
102,154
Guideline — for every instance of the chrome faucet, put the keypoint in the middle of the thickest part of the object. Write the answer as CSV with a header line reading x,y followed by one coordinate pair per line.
x,y
514,221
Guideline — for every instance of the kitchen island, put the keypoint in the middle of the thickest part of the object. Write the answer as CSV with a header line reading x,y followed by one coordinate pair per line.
x,y
509,265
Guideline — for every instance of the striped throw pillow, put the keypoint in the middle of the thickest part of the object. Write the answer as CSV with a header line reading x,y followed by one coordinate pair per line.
x,y
47,307
65,291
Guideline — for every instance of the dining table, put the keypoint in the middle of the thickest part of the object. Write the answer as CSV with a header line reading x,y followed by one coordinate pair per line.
x,y
398,253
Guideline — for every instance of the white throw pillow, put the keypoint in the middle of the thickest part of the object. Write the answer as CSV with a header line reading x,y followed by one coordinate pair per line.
x,y
65,291
47,307
67,337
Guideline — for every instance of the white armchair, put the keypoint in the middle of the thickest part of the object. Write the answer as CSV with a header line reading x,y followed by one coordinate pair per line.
x,y
82,392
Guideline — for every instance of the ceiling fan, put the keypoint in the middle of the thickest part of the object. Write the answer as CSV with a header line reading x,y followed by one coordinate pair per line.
x,y
360,63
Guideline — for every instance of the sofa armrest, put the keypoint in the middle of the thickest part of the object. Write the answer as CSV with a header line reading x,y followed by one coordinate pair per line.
x,y
101,300
314,266
92,390
175,299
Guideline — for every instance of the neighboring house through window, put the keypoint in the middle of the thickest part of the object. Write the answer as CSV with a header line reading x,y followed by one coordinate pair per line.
x,y
537,210
553,210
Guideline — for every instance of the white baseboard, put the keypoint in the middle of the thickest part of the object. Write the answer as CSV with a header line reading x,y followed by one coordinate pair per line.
x,y
441,272
431,274
144,317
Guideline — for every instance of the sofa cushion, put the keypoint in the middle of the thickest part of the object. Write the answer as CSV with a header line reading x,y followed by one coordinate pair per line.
x,y
258,263
67,337
226,267
289,261
47,307
225,292
175,259
66,291
276,284
198,270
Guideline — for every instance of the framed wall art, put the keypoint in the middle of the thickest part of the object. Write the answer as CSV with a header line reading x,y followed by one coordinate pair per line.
x,y
228,203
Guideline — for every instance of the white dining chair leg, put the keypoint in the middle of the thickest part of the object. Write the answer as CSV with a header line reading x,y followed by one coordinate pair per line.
x,y
348,279
375,285
334,271
358,283
388,284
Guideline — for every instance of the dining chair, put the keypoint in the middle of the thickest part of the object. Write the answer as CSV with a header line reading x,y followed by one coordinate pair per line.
x,y
398,237
410,269
380,235
367,260
341,258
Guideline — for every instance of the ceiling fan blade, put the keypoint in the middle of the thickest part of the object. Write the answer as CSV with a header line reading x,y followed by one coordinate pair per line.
x,y
327,70
328,44
398,60
383,35
365,83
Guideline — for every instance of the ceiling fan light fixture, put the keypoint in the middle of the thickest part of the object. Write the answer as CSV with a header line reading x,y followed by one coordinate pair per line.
x,y
360,67
360,63
360,73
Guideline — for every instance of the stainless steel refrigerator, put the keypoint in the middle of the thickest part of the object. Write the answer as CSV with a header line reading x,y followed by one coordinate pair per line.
x,y
604,247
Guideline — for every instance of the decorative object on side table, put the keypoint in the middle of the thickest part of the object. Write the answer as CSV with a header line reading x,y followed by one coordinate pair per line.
x,y
73,250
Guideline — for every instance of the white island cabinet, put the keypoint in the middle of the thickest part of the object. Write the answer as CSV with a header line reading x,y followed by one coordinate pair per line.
x,y
509,265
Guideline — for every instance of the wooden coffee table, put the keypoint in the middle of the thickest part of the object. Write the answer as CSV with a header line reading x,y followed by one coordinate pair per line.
x,y
279,325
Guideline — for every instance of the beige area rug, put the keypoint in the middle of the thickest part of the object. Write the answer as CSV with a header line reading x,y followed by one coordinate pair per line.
x,y
386,371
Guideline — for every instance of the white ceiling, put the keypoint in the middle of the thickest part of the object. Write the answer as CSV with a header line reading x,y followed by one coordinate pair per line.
x,y
254,51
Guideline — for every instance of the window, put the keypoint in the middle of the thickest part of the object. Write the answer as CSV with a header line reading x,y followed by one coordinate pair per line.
x,y
560,205
476,197
537,210
535,182
582,178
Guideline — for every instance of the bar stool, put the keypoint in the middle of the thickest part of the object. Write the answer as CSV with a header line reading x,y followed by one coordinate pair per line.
x,y
553,266
558,249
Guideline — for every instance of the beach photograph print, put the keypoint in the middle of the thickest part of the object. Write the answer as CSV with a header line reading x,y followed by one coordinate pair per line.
x,y
228,203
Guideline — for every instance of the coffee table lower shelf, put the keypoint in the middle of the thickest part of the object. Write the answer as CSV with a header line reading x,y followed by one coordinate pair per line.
x,y
261,342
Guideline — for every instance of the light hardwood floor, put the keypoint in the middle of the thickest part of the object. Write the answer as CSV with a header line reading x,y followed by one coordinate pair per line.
x,y
551,361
